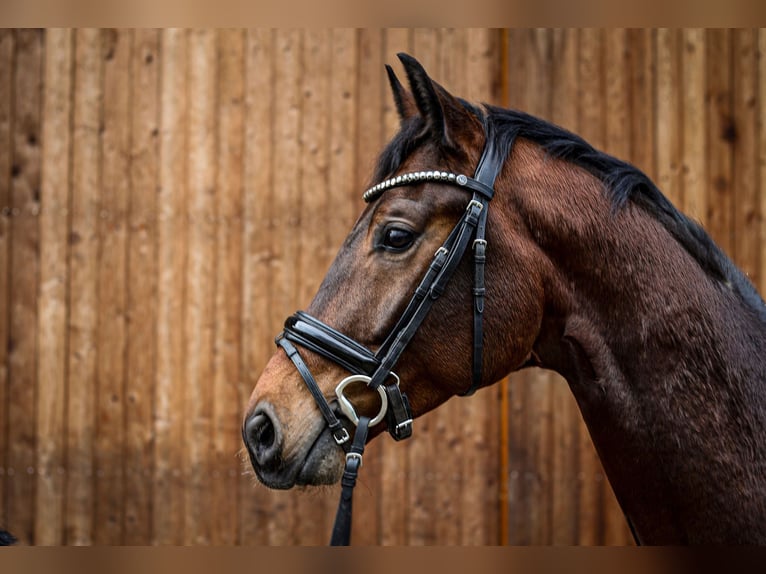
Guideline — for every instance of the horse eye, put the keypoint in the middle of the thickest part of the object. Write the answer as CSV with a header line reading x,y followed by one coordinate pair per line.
x,y
398,239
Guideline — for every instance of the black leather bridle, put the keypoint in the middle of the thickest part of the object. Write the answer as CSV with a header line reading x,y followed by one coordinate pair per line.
x,y
376,369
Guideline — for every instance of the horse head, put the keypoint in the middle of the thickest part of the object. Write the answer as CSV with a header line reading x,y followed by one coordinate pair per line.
x,y
371,282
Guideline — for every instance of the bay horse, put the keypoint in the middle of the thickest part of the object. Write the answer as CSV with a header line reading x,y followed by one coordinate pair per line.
x,y
579,265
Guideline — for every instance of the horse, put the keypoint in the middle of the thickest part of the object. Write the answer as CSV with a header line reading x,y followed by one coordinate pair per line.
x,y
580,265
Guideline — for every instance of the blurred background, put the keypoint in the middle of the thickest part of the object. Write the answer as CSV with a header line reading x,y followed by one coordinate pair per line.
x,y
168,197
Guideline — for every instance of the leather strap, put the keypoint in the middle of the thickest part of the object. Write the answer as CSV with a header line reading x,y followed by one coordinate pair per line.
x,y
336,428
341,531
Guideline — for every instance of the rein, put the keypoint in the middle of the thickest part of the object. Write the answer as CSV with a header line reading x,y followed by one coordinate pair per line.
x,y
376,369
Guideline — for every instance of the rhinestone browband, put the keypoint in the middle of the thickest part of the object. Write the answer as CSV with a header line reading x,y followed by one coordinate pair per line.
x,y
413,177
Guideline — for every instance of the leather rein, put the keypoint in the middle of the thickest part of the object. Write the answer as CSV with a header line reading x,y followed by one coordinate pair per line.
x,y
376,369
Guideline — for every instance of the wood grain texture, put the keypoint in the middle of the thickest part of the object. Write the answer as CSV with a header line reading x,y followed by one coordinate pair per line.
x,y
142,293
116,48
7,48
227,345
168,490
55,196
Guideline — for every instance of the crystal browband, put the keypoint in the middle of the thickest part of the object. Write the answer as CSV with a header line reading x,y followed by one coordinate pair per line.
x,y
413,177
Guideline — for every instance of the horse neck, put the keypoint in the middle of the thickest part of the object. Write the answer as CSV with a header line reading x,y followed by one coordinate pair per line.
x,y
666,365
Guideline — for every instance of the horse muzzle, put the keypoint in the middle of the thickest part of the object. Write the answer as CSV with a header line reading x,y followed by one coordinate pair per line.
x,y
264,437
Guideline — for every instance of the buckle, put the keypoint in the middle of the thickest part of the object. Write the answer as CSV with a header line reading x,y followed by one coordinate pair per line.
x,y
343,438
475,203
482,242
354,455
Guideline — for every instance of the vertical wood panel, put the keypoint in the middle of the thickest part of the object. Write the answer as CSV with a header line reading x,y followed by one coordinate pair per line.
x,y
110,367
7,44
228,295
201,270
745,140
52,298
721,130
168,489
83,290
668,146
24,265
142,288
693,105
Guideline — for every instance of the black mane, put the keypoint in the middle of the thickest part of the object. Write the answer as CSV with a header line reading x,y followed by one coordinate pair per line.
x,y
624,182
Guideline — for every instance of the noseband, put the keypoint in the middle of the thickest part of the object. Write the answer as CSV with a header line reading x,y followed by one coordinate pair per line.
x,y
376,369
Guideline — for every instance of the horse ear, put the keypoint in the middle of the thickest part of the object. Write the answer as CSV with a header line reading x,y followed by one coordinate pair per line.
x,y
405,105
426,97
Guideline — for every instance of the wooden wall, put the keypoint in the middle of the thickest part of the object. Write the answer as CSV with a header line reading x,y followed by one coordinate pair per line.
x,y
169,197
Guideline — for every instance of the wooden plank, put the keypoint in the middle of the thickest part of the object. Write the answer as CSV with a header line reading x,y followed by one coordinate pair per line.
x,y
394,455
592,128
168,492
642,89
83,291
566,419
7,44
52,297
745,141
480,500
343,130
257,337
24,268
693,162
720,139
142,287
668,116
200,211
227,439
372,93
668,150
110,363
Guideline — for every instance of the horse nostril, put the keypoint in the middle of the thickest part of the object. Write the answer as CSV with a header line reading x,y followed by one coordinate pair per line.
x,y
261,439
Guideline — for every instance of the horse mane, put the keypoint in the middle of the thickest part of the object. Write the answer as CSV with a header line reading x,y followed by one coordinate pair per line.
x,y
624,183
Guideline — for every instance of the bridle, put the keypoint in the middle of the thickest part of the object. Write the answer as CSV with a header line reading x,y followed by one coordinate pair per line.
x,y
376,369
